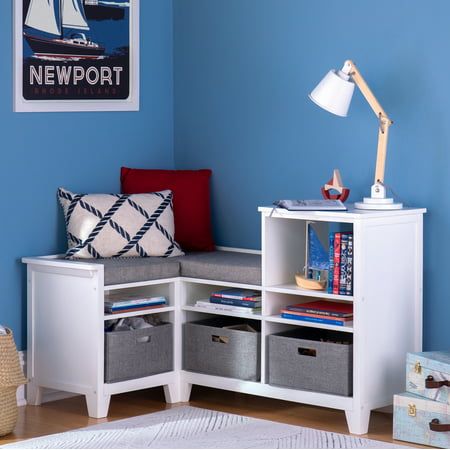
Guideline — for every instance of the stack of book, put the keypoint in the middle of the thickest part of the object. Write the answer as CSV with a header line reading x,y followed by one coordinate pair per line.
x,y
122,303
340,273
320,311
243,301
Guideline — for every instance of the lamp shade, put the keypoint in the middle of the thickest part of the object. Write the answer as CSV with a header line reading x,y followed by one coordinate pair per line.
x,y
334,93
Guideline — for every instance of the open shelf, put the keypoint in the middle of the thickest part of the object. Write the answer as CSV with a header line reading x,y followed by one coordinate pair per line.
x,y
220,284
303,323
141,312
137,284
293,289
222,313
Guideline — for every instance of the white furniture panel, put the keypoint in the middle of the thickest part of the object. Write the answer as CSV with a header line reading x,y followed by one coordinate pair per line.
x,y
66,318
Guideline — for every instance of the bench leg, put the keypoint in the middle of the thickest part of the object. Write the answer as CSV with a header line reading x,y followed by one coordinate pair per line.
x,y
97,405
34,394
177,392
358,421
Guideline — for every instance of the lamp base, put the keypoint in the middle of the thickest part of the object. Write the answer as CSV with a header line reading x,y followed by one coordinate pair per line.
x,y
378,203
378,199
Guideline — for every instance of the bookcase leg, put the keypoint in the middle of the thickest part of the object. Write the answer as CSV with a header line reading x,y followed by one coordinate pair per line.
x,y
97,405
358,421
177,392
185,392
34,394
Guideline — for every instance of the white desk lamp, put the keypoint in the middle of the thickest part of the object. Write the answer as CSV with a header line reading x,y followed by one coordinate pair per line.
x,y
334,94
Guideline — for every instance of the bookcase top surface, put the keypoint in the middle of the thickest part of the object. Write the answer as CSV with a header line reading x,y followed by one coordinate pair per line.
x,y
350,214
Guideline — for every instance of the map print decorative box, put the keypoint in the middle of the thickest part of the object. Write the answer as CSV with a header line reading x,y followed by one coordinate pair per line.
x,y
428,375
423,421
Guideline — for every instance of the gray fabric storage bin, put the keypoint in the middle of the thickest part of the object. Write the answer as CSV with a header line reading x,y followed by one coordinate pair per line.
x,y
209,348
138,353
299,359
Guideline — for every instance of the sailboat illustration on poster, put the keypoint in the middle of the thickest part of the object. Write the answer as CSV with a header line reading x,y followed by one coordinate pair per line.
x,y
56,17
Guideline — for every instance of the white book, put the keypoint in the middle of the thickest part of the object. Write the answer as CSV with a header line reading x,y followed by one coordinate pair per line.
x,y
311,205
219,307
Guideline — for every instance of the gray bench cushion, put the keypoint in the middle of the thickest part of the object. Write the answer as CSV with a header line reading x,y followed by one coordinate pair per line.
x,y
222,266
219,265
129,270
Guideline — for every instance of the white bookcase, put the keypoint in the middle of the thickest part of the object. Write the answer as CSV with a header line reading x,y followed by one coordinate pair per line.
x,y
387,297
66,317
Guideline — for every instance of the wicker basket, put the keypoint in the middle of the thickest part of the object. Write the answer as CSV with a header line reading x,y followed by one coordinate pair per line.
x,y
11,377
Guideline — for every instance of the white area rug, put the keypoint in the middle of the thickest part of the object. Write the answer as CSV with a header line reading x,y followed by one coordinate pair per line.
x,y
188,427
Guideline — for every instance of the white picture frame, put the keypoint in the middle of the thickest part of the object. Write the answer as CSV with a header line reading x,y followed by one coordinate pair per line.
x,y
20,104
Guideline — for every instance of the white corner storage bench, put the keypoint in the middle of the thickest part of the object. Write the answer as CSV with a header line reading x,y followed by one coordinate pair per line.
x,y
66,342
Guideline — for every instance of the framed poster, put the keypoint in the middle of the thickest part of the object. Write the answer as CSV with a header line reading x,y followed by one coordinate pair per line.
x,y
76,55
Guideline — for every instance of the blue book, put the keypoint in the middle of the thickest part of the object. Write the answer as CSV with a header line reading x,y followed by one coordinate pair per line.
x,y
235,302
312,319
331,263
343,264
131,307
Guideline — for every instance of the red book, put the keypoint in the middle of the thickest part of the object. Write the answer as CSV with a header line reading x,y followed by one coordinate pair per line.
x,y
337,262
324,308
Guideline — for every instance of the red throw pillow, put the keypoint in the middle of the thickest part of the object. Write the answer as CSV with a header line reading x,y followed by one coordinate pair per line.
x,y
191,201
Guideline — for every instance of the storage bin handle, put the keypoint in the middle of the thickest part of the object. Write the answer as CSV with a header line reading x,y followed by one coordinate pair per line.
x,y
303,351
439,427
430,383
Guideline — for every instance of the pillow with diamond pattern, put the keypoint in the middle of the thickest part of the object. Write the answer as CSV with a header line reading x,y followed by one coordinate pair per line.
x,y
119,225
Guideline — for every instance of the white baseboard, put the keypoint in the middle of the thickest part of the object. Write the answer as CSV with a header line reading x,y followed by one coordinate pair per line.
x,y
49,395
236,249
20,395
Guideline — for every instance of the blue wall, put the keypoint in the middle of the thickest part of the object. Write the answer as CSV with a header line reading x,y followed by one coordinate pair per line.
x,y
243,69
81,151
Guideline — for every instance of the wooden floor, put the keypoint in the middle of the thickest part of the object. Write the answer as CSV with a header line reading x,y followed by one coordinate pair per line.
x,y
67,414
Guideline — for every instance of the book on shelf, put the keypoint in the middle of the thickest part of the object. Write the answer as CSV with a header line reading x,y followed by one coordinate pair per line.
x,y
130,297
331,263
325,321
238,294
140,303
235,302
337,262
229,308
349,274
343,264
340,264
126,310
324,308
119,304
319,316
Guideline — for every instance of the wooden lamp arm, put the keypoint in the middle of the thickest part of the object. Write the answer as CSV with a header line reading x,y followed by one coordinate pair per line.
x,y
384,121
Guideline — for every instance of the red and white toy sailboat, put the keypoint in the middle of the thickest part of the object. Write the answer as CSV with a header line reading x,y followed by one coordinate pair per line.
x,y
335,184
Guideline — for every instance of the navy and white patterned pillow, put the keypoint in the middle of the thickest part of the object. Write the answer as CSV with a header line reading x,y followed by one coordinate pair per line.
x,y
119,225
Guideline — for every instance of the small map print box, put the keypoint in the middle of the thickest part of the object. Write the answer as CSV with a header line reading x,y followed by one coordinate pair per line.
x,y
421,421
428,375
